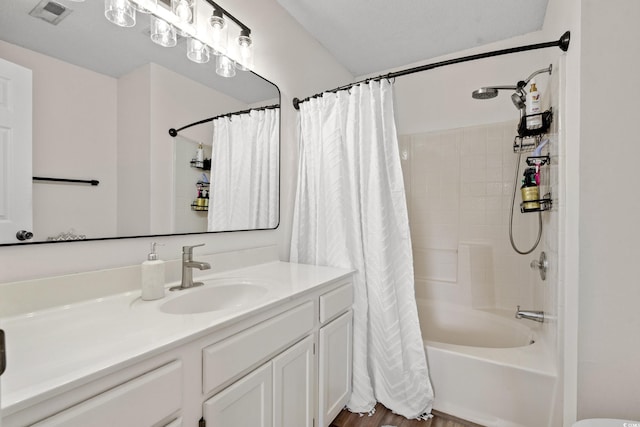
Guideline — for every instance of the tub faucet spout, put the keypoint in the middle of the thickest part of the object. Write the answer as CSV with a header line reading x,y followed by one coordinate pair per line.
x,y
537,316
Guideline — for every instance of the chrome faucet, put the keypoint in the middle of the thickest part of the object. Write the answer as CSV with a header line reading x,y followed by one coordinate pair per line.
x,y
537,316
188,264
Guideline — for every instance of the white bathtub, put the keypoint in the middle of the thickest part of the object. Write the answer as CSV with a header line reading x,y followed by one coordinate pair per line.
x,y
487,368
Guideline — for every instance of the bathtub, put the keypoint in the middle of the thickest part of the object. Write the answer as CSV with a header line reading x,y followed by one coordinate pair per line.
x,y
486,367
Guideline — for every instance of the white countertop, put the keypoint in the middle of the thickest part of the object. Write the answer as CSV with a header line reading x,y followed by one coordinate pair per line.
x,y
57,349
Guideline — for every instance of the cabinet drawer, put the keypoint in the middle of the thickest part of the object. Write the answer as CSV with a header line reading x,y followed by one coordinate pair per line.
x,y
335,302
231,357
143,401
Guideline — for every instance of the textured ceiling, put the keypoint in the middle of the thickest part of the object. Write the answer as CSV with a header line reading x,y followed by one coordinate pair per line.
x,y
369,36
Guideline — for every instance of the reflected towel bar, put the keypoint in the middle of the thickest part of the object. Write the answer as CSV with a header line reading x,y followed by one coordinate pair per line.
x,y
67,180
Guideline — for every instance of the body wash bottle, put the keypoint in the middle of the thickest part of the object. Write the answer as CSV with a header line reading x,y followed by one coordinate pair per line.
x,y
152,276
533,107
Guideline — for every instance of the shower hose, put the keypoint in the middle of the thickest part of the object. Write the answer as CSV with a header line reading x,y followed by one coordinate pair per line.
x,y
513,201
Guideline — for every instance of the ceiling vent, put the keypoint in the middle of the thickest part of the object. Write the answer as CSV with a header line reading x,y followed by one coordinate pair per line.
x,y
50,11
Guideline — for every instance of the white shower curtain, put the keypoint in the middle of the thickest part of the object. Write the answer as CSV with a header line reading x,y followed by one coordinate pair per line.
x,y
244,171
350,212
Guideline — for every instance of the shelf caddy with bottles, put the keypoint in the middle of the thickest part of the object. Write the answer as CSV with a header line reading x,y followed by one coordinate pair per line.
x,y
545,203
528,139
201,204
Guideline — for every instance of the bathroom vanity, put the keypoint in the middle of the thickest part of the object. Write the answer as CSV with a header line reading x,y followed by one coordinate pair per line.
x,y
269,346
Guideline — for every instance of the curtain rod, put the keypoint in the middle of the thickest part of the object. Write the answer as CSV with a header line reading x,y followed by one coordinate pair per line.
x,y
562,43
174,132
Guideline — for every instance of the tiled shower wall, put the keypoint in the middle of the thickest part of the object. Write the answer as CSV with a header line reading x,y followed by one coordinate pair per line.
x,y
459,186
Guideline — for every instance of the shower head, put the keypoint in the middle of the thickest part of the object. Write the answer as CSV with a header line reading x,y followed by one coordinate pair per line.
x,y
518,99
485,93
490,91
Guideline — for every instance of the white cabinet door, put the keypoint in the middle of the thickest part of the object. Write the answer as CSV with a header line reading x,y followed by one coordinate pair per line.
x,y
293,384
246,403
334,376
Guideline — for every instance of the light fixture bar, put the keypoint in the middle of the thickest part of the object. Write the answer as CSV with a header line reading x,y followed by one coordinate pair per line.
x,y
228,15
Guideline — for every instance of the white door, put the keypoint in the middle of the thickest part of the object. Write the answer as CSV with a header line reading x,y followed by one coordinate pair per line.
x,y
334,367
293,380
246,403
15,151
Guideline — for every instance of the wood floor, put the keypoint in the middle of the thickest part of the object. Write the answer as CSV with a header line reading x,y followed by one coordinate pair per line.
x,y
384,417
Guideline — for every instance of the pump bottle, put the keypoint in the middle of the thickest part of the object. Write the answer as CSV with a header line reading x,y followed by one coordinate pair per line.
x,y
533,107
152,276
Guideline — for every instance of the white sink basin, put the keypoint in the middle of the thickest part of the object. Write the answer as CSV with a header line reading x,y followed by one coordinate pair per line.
x,y
215,295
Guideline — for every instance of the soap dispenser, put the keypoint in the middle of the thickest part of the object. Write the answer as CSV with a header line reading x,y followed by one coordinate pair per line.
x,y
152,276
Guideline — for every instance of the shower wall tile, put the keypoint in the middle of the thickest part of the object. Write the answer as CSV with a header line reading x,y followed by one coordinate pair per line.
x,y
459,185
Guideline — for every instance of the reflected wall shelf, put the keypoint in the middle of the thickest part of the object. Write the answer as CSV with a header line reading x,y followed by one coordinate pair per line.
x,y
204,164
197,207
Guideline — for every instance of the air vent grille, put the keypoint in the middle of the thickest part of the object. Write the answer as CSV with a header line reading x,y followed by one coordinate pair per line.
x,y
50,11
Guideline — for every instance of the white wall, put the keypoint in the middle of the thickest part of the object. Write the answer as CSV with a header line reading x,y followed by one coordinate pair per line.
x,y
291,59
74,117
609,344
134,127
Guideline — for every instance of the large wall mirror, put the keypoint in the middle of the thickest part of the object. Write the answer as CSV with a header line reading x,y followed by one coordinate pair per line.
x,y
83,99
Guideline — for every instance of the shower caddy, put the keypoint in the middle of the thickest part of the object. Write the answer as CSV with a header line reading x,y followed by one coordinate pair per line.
x,y
201,204
526,141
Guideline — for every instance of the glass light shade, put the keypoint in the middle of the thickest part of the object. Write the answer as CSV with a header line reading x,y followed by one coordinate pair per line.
x,y
225,66
162,32
183,11
217,20
245,44
219,30
197,51
120,12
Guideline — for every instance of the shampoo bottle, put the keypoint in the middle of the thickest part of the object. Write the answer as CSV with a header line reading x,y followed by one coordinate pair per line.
x,y
152,276
533,107
530,192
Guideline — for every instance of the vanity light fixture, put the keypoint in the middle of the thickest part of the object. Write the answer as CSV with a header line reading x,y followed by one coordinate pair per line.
x,y
183,10
120,12
219,31
187,18
246,51
162,32
225,66
197,51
